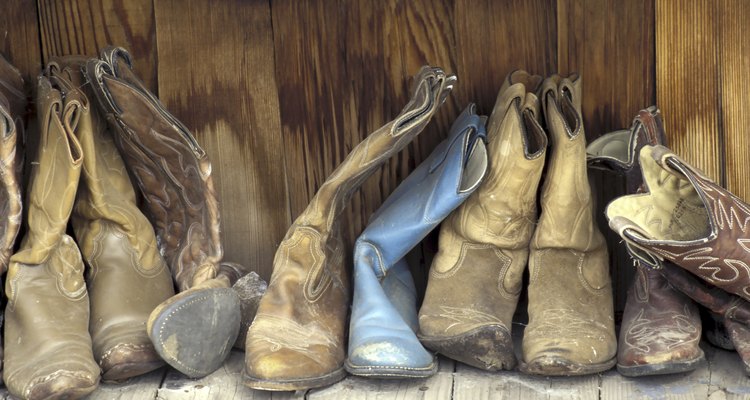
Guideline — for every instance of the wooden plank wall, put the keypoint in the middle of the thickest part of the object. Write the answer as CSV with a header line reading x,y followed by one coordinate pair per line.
x,y
278,91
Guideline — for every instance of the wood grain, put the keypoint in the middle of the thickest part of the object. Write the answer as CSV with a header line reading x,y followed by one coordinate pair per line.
x,y
86,26
141,387
610,44
687,86
734,69
19,31
216,74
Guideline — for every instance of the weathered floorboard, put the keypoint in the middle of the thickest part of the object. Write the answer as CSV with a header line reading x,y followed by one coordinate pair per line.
x,y
216,74
138,388
728,379
86,26
224,384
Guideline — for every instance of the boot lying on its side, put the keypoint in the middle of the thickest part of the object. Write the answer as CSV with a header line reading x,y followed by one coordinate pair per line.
x,y
661,327
297,340
382,339
194,330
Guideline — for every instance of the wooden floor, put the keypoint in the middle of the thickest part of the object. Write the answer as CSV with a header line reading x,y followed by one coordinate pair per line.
x,y
721,378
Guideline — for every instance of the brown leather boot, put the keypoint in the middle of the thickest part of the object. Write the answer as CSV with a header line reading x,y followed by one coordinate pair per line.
x,y
12,110
571,318
484,243
194,330
297,340
661,327
47,343
127,276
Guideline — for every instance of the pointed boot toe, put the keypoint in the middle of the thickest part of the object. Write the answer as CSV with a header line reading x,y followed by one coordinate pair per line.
x,y
290,369
195,330
62,385
489,347
391,357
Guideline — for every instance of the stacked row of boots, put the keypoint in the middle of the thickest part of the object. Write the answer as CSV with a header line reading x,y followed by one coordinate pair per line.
x,y
96,127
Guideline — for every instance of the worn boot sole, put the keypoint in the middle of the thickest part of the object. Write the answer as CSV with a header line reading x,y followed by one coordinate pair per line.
x,y
194,331
380,371
62,387
294,384
558,366
661,369
488,347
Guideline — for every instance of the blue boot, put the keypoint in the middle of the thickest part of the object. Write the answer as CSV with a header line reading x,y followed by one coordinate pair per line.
x,y
382,339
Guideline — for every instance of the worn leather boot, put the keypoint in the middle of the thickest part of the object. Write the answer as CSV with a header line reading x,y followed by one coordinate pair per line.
x,y
571,328
12,110
476,276
127,276
687,219
194,330
47,344
297,340
382,332
661,327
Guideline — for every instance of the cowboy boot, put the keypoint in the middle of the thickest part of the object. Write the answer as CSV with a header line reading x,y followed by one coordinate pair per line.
x,y
571,328
47,342
382,338
297,338
732,311
661,327
12,107
194,330
127,276
687,219
475,278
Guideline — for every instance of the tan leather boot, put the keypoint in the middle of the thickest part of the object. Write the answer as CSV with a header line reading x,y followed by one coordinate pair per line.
x,y
12,107
194,330
484,243
127,276
297,340
571,323
47,343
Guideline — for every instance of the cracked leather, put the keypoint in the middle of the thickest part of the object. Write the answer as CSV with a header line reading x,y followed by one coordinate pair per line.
x,y
661,326
476,276
297,339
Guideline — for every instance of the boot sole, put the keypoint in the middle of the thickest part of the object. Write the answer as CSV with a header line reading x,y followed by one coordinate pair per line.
x,y
661,369
194,331
380,371
557,366
488,347
294,384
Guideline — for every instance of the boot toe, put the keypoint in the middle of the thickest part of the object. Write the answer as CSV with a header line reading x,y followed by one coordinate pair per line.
x,y
564,362
62,385
288,369
486,347
127,360
391,357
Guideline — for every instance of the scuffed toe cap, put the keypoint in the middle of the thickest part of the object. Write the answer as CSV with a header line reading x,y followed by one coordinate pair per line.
x,y
391,352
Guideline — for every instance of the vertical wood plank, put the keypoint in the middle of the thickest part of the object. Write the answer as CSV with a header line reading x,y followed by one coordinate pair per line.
x,y
216,73
19,35
494,38
687,86
611,45
734,69
85,26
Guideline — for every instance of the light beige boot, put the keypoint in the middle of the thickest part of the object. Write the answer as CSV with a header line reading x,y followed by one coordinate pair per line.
x,y
476,276
571,322
47,343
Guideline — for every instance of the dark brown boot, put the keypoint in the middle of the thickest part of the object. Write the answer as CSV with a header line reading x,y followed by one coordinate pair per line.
x,y
661,327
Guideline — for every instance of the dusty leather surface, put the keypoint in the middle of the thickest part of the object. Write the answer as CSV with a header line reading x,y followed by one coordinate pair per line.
x,y
483,244
298,334
48,347
127,277
571,317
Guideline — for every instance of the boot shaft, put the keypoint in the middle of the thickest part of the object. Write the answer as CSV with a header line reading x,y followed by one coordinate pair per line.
x,y
567,219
